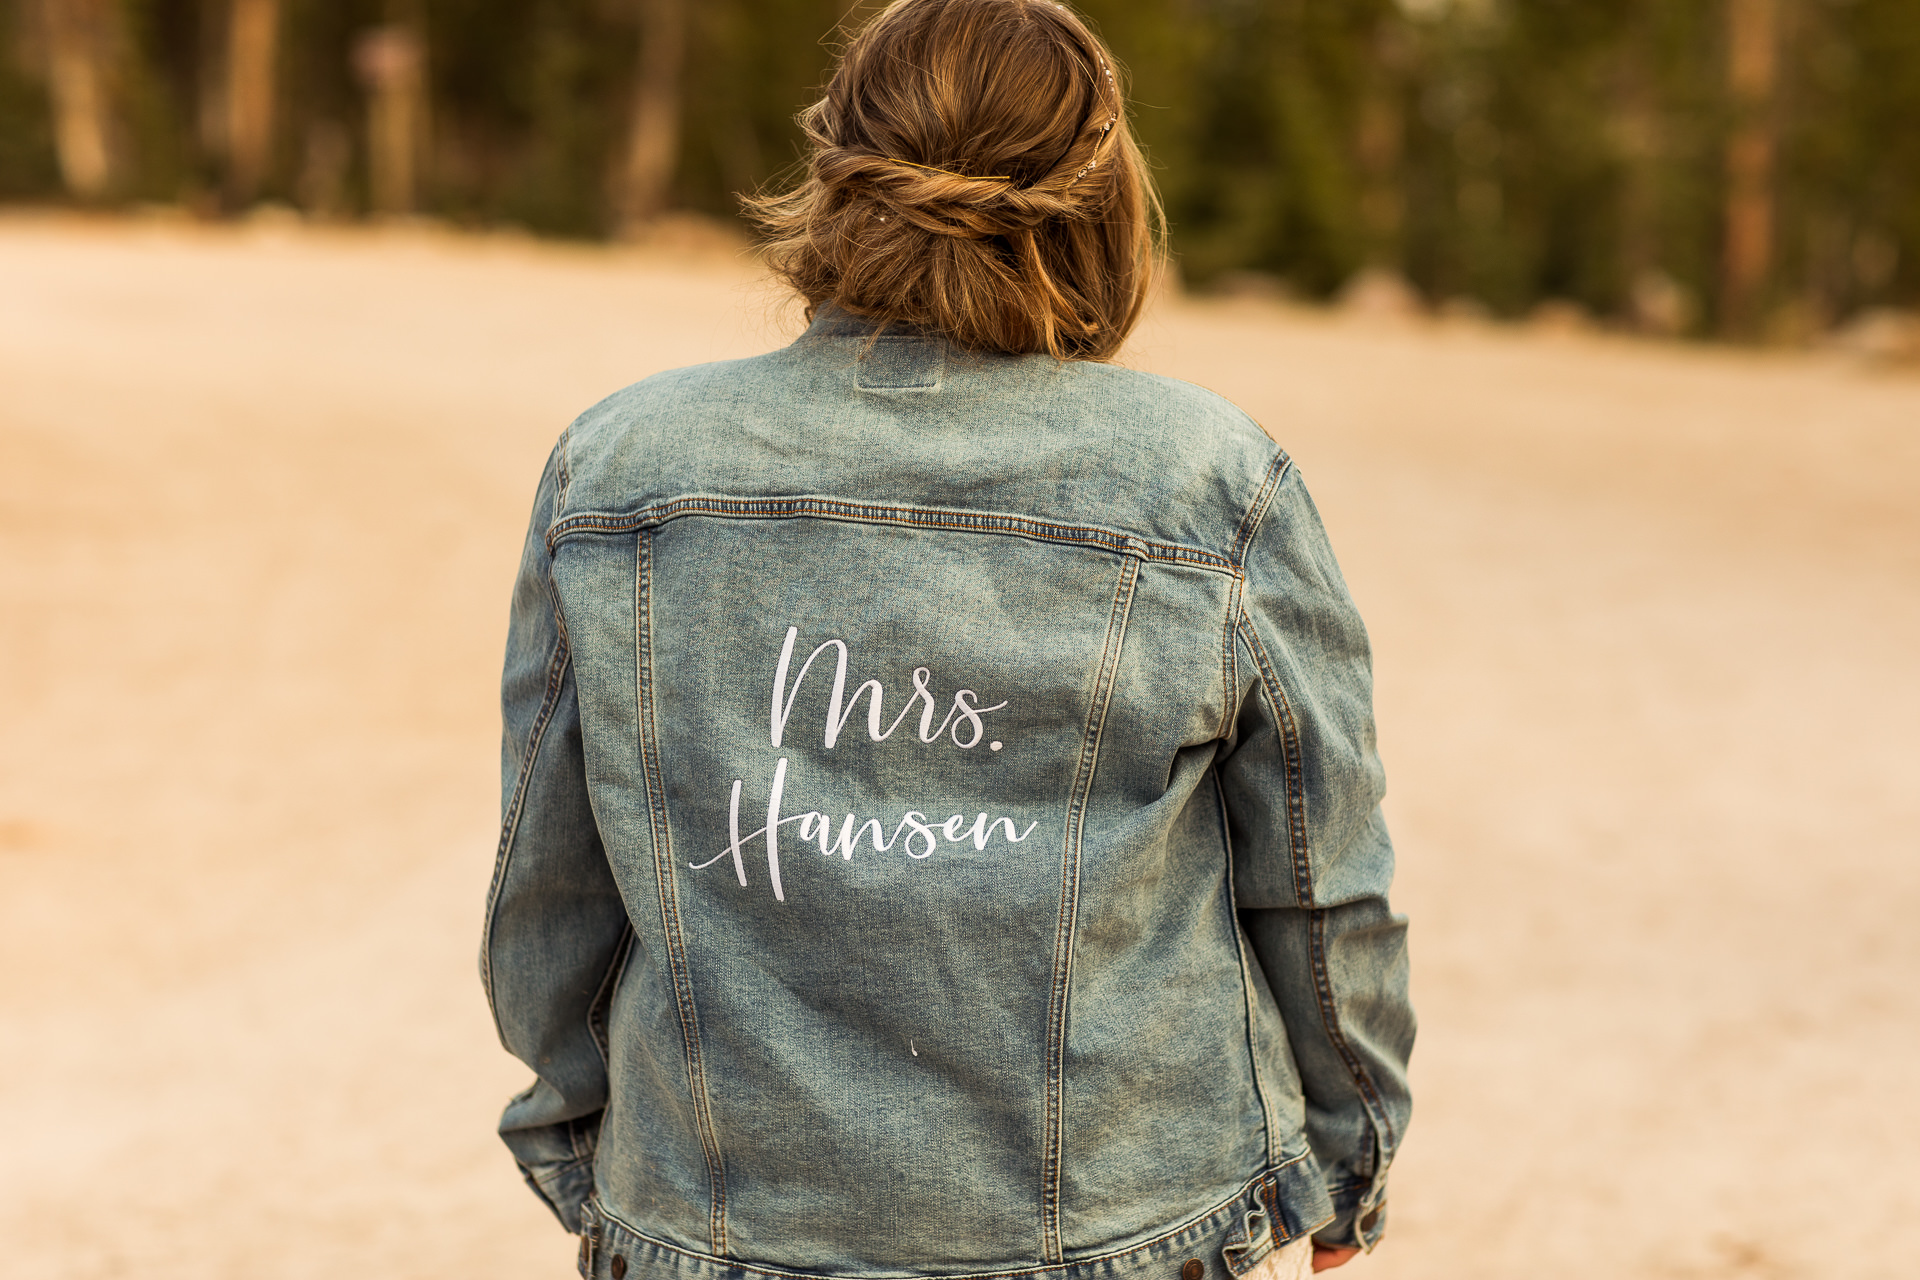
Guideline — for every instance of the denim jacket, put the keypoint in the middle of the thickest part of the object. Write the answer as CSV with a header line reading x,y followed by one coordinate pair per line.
x,y
941,830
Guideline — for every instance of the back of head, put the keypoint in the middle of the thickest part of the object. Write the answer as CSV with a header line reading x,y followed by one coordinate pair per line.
x,y
971,173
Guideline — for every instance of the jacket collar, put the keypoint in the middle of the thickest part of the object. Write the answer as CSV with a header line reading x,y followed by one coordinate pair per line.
x,y
831,320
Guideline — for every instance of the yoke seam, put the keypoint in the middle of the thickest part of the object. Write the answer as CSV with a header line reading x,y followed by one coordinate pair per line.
x,y
1058,532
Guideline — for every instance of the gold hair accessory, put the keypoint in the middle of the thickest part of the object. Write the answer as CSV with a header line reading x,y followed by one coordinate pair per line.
x,y
985,177
1104,129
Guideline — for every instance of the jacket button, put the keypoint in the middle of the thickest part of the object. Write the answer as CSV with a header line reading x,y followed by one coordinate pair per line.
x,y
1193,1269
619,1266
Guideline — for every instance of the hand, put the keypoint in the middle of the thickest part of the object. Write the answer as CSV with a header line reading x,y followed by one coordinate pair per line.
x,y
1326,1259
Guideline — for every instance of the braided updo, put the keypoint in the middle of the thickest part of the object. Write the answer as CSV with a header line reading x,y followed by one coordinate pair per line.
x,y
971,173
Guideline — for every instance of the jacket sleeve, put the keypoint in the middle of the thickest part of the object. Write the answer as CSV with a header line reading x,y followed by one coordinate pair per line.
x,y
556,929
1312,862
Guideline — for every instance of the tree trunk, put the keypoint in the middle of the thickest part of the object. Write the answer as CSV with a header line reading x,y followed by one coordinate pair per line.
x,y
653,146
1380,144
1752,72
392,64
253,47
79,40
1652,299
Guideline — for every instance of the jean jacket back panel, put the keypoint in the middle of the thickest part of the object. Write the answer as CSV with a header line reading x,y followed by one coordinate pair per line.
x,y
940,828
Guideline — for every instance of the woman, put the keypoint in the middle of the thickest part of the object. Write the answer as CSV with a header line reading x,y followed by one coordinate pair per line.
x,y
941,829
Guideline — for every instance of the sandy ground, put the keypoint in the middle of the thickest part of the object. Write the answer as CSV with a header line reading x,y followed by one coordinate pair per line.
x,y
1647,632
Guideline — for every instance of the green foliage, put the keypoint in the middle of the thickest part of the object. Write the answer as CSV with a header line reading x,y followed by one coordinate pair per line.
x,y
529,99
1501,150
752,65
1854,151
156,103
27,166
1257,134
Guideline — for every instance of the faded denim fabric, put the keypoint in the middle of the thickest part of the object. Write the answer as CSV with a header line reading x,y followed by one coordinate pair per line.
x,y
941,830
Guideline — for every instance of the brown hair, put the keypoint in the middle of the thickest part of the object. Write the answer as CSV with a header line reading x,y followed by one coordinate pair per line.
x,y
971,173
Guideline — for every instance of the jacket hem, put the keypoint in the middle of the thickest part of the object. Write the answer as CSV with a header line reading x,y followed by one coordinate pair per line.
x,y
1296,1198
1204,1236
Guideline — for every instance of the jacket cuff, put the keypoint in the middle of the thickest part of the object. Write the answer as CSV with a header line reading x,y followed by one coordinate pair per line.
x,y
1359,1217
563,1186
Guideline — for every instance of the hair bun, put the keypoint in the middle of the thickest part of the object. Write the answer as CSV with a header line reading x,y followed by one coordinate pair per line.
x,y
943,201
970,173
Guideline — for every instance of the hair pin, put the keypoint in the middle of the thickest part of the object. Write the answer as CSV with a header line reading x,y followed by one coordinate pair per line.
x,y
1105,129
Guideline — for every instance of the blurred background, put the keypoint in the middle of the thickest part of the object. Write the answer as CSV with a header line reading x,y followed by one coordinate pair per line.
x,y
1739,167
1590,323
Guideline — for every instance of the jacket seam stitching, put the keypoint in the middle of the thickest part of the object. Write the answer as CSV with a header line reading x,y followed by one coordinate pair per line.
x,y
1229,668
1268,1116
615,968
670,907
1282,711
1257,509
1144,1246
907,516
1330,1020
1250,521
557,667
1271,1185
1057,1013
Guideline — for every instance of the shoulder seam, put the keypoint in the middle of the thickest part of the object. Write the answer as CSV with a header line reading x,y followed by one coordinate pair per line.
x,y
1257,509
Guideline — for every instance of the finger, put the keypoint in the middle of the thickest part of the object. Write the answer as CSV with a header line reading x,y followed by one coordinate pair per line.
x,y
1325,1259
